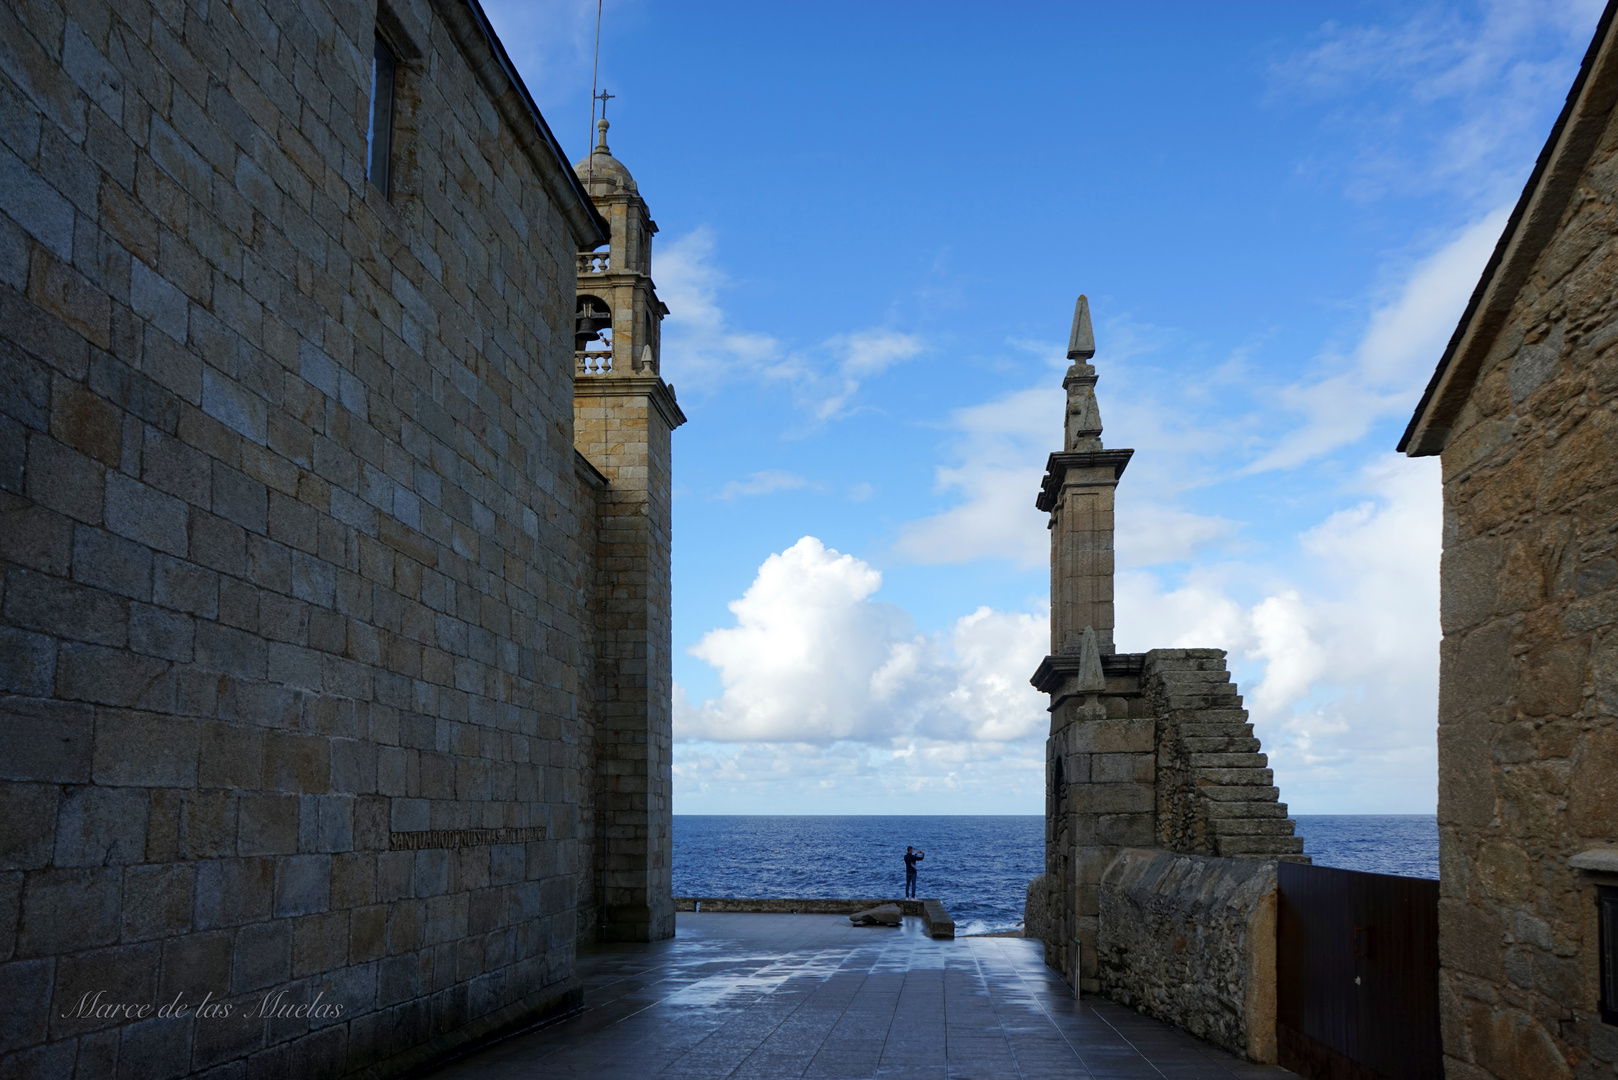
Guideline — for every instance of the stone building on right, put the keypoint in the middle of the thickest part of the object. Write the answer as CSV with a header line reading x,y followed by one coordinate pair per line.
x,y
1523,412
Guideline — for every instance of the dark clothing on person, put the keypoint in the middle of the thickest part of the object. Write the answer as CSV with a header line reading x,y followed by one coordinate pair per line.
x,y
911,859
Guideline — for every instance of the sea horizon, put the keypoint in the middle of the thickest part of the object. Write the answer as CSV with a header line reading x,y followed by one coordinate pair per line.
x,y
978,865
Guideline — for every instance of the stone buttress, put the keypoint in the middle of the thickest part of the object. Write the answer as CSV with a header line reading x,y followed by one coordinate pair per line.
x,y
1146,750
624,414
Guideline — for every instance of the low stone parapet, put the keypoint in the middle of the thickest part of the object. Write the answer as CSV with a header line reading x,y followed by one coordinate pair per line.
x,y
932,913
1191,940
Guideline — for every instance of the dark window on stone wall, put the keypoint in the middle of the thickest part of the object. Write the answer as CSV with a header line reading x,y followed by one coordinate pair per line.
x,y
1607,916
379,136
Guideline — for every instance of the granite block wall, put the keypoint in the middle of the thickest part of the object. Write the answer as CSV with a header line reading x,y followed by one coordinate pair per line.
x,y
293,596
1528,698
621,427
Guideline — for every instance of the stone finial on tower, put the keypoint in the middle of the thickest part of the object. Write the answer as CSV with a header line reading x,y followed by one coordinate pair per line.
x,y
1077,492
1091,679
1083,427
601,148
1081,343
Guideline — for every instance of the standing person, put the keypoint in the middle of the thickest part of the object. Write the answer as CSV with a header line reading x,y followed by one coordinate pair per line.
x,y
912,857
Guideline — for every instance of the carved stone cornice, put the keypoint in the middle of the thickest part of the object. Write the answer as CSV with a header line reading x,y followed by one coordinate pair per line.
x,y
1057,466
651,387
1054,671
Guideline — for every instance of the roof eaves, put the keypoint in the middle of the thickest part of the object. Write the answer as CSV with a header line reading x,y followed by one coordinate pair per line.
x,y
591,214
1480,323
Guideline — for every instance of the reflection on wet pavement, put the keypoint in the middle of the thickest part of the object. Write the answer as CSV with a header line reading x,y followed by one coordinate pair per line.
x,y
774,996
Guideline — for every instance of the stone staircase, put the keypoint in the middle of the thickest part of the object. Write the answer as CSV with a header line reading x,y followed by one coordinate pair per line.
x,y
1215,792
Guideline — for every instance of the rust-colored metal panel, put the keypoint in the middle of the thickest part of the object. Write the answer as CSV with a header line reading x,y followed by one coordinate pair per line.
x,y
1357,974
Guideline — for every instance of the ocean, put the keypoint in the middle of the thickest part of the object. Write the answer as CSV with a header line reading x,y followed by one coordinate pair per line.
x,y
978,865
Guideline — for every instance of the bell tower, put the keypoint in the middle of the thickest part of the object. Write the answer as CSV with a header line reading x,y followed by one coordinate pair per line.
x,y
618,315
623,417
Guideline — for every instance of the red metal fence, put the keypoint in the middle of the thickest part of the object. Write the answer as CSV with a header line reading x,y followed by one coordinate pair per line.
x,y
1357,975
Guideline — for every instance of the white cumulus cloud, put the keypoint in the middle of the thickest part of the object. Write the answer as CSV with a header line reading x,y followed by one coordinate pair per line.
x,y
814,658
1340,652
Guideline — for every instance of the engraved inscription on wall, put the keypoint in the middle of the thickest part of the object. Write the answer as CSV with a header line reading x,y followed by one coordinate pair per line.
x,y
461,838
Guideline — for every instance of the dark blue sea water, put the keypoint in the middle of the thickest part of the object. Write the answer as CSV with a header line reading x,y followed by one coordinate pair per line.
x,y
1404,844
979,866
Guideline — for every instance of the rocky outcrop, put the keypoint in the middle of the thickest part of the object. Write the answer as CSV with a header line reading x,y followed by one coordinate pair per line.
x,y
884,915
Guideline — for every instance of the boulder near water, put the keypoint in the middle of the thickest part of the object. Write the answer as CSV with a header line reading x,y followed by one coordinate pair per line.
x,y
882,915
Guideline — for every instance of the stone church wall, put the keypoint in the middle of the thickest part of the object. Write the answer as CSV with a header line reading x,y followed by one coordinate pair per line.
x,y
1528,705
292,632
620,427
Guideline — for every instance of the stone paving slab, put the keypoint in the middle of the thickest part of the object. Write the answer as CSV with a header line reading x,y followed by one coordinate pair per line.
x,y
766,997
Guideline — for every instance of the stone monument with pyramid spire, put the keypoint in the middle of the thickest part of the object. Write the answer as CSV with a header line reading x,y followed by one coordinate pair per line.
x,y
1147,750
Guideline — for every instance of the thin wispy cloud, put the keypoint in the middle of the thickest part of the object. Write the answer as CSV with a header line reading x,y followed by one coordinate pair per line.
x,y
1390,365
703,350
1450,99
764,482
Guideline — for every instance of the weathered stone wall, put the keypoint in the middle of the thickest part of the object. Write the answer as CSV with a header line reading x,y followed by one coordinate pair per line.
x,y
1528,702
592,828
1191,940
621,429
291,625
1215,792
1164,755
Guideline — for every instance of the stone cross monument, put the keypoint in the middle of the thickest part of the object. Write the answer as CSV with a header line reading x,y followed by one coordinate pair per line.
x,y
623,415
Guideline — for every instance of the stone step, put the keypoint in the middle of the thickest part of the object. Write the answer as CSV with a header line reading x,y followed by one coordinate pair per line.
x,y
1210,778
1264,826
1239,793
1190,675
1201,744
1204,697
1254,808
1221,716
1188,660
1229,760
1235,847
1215,731
1184,705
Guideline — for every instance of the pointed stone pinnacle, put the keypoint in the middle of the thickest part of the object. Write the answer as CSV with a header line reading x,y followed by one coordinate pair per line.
x,y
1081,344
1092,680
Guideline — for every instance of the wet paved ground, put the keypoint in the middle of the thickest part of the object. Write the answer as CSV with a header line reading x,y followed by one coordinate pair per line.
x,y
775,996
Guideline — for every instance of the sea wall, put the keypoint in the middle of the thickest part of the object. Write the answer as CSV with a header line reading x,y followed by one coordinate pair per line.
x,y
934,917
1191,940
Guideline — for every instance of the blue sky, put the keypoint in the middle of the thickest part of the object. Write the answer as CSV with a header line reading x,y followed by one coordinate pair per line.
x,y
874,220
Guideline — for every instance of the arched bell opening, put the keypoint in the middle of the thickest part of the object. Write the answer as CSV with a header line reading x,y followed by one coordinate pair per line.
x,y
592,321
